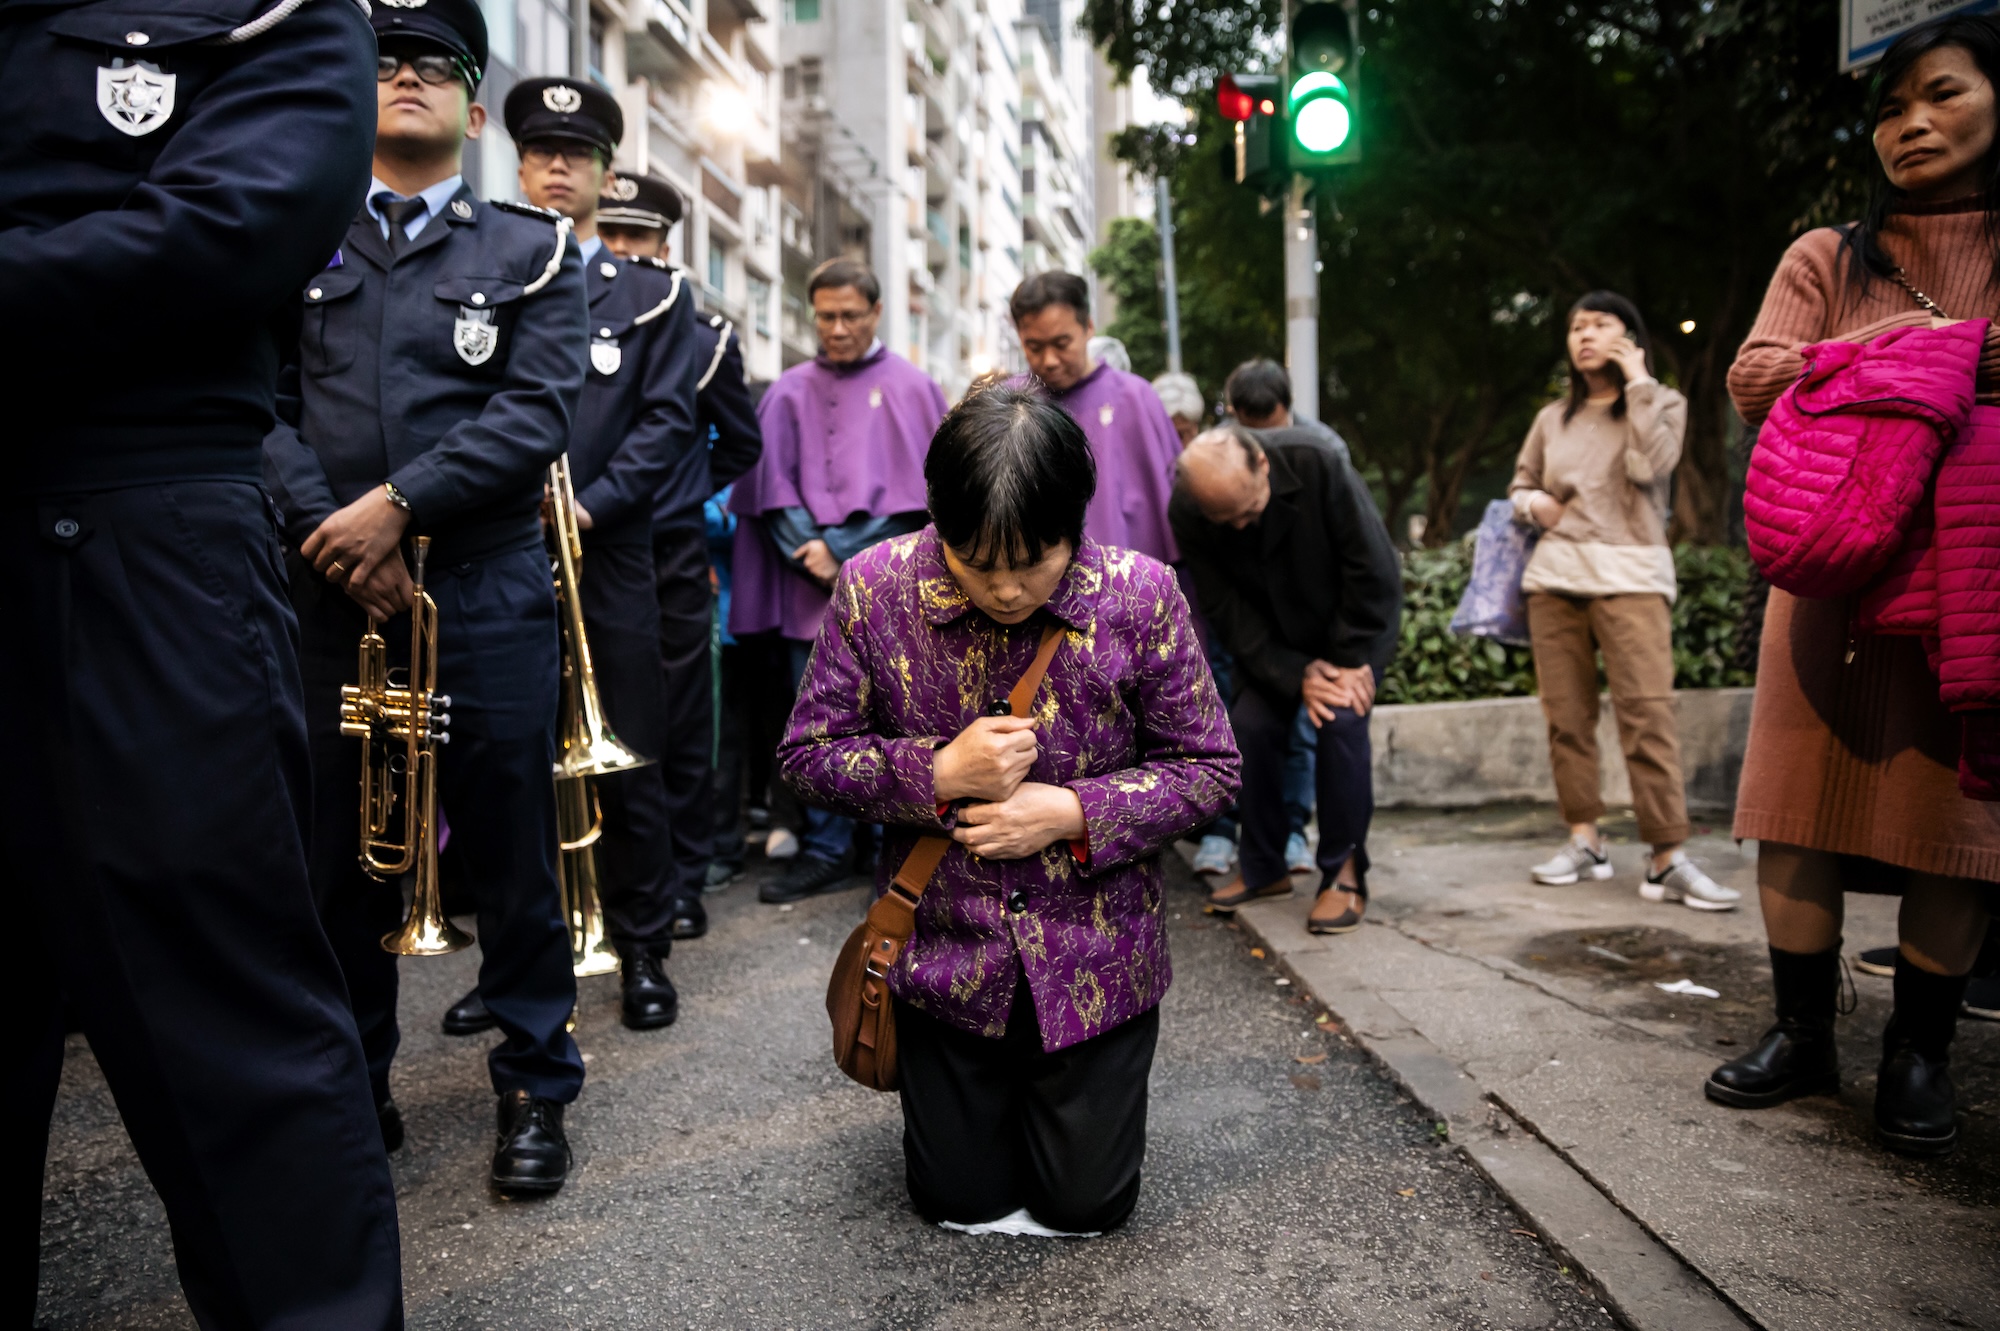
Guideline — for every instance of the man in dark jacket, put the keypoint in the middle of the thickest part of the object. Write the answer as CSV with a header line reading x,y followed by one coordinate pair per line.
x,y
1294,572
178,171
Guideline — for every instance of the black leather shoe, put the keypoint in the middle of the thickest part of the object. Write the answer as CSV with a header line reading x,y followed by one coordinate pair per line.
x,y
1793,1059
1915,1104
390,1120
690,918
469,1016
808,876
532,1158
649,999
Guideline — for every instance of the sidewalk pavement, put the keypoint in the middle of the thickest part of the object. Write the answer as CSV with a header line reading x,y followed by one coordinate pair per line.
x,y
1530,1019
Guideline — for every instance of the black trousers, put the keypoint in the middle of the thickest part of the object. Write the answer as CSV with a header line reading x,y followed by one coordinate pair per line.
x,y
991,1126
154,827
635,856
687,624
1343,781
498,659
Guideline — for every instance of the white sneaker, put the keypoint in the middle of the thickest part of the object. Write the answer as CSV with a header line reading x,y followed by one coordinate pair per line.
x,y
1298,855
1579,859
1217,855
781,843
1681,881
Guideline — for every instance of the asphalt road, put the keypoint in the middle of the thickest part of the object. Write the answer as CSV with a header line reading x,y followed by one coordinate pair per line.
x,y
727,1176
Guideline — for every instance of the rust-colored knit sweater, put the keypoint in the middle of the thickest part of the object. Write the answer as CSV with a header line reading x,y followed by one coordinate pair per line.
x,y
1944,253
1858,756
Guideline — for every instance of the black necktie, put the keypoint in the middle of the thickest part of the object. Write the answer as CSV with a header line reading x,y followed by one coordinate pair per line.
x,y
399,212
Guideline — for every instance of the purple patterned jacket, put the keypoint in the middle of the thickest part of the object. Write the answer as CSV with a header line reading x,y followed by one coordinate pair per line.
x,y
1128,718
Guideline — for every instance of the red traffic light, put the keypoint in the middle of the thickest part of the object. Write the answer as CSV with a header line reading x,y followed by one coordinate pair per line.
x,y
1232,101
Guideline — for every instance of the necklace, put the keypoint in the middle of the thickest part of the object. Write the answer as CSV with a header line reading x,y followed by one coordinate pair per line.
x,y
1921,299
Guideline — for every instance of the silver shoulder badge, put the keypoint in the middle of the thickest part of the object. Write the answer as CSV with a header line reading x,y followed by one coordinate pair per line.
x,y
561,98
135,99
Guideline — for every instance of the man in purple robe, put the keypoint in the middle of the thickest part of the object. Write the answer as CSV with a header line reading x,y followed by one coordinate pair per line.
x,y
1130,433
843,467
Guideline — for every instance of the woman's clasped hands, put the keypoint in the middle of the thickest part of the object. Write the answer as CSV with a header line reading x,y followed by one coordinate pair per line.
x,y
1007,817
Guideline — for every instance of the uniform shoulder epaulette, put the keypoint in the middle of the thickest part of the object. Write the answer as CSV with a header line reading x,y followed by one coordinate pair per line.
x,y
673,294
527,209
716,321
651,262
721,350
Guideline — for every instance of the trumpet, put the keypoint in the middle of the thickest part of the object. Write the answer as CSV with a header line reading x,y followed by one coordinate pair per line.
x,y
400,727
585,746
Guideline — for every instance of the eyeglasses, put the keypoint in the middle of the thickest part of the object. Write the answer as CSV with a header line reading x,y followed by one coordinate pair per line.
x,y
432,68
839,318
575,155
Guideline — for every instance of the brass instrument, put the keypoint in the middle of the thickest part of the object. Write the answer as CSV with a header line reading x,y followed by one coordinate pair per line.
x,y
400,727
585,746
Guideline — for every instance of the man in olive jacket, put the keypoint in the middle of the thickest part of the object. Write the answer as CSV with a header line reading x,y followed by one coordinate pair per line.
x,y
1296,576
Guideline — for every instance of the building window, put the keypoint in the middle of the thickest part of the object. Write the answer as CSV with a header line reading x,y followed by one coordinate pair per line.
x,y
760,306
718,267
543,41
809,68
801,11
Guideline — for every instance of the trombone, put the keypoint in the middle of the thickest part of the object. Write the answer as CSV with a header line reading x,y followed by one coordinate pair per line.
x,y
400,727
585,746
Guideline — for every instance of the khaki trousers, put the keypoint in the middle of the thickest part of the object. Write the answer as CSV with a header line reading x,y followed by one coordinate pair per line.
x,y
1636,636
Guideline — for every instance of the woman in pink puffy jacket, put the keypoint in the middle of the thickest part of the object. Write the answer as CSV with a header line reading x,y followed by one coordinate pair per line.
x,y
1850,782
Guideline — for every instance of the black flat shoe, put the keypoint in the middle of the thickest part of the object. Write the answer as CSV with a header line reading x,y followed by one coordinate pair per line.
x,y
808,876
532,1157
390,1120
649,1000
1915,1104
690,919
469,1016
1793,1059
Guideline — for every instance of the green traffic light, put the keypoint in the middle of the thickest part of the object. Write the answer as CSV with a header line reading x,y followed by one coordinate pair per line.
x,y
1322,125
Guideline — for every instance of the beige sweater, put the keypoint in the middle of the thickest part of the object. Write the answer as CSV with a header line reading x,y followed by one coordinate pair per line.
x,y
1611,476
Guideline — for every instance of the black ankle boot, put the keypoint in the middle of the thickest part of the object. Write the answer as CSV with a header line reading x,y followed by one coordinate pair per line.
x,y
1796,1057
648,998
1914,1100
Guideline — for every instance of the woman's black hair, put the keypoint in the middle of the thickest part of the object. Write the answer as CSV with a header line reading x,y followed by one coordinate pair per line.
x,y
1009,476
1979,37
1623,310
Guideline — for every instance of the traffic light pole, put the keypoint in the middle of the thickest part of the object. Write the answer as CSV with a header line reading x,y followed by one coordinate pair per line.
x,y
1302,299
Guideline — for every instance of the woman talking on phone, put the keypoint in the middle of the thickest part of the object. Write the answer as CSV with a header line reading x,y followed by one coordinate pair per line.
x,y
1593,477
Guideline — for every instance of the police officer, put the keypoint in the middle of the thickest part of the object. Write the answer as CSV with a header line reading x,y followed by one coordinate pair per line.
x,y
156,218
635,418
438,371
636,216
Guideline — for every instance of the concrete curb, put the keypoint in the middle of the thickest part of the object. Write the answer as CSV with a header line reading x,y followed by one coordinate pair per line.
x,y
1641,1281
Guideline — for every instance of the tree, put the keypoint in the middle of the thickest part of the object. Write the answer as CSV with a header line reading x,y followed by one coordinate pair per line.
x,y
1518,153
1129,263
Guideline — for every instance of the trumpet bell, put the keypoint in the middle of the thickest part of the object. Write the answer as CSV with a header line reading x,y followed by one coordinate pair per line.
x,y
426,936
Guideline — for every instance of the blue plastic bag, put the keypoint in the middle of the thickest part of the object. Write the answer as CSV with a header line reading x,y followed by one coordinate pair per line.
x,y
1493,605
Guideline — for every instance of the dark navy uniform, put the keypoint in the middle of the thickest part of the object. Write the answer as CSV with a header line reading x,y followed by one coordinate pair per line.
x,y
726,426
450,370
635,423
157,214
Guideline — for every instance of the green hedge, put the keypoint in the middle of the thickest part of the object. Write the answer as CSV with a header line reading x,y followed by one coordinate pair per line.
x,y
1433,664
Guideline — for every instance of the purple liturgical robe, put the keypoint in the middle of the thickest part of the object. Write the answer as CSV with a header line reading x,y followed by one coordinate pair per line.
x,y
1135,445
839,441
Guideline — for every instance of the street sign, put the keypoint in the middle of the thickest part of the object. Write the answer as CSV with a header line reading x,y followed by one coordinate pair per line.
x,y
1869,27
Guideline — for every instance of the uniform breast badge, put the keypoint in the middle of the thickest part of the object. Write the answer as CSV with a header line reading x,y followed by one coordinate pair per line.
x,y
135,99
605,357
475,335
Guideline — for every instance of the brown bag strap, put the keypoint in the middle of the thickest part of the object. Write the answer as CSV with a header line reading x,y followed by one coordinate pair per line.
x,y
918,866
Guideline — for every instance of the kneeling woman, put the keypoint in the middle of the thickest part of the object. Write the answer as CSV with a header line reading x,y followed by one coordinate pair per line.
x,y
1027,1000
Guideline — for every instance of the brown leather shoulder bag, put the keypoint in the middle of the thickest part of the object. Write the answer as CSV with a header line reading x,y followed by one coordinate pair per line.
x,y
857,997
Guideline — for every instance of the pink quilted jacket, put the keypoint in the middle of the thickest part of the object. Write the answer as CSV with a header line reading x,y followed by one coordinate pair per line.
x,y
1877,475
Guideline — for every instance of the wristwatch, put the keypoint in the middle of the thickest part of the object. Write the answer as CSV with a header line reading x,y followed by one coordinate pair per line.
x,y
396,497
